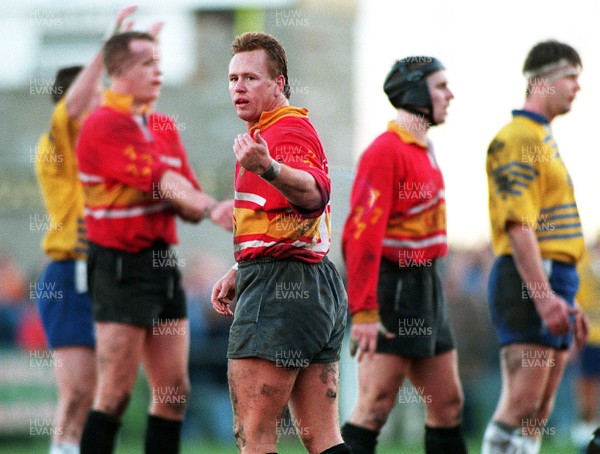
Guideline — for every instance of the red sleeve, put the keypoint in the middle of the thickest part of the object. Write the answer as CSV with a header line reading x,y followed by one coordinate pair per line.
x,y
186,169
372,198
298,146
112,146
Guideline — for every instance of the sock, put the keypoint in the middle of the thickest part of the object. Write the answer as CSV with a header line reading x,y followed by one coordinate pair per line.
x,y
444,440
342,448
500,438
531,445
581,433
99,433
360,439
64,448
162,435
594,446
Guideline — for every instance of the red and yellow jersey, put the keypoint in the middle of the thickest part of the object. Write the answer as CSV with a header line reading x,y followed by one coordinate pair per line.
x,y
528,183
56,170
397,211
121,161
266,224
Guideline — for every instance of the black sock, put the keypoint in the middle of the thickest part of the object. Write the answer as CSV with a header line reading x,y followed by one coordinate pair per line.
x,y
360,439
342,448
594,446
444,440
162,435
99,433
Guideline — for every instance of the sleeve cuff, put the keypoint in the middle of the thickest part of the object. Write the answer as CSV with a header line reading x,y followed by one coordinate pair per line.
x,y
366,316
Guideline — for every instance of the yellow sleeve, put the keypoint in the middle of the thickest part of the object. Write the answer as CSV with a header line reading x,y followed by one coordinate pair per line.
x,y
514,179
56,170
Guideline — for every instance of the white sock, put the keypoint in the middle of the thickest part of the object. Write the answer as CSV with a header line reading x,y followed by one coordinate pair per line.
x,y
499,439
64,448
582,432
532,445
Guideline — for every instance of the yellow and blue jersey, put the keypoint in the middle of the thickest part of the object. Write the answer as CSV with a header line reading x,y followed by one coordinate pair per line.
x,y
588,296
58,178
528,183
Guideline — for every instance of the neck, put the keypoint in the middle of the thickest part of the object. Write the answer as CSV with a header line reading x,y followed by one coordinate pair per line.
x,y
536,105
279,102
136,105
416,125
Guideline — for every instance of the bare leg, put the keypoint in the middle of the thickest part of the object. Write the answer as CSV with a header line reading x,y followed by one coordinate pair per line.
x,y
436,379
528,386
259,393
314,406
530,377
76,377
119,351
379,380
165,360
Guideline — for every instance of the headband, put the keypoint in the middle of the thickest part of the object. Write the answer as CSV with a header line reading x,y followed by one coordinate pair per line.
x,y
552,71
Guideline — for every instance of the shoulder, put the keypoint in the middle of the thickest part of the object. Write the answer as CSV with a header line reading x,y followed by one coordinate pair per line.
x,y
60,114
519,129
295,124
515,136
384,147
298,130
105,119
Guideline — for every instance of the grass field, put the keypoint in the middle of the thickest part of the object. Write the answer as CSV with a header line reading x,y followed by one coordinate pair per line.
x,y
291,447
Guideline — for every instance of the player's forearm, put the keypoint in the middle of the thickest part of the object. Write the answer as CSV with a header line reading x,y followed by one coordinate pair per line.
x,y
299,188
528,260
84,88
190,203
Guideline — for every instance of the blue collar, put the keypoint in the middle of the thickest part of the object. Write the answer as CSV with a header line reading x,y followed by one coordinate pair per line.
x,y
531,115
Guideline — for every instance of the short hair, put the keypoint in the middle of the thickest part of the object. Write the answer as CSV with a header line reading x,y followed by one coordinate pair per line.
x,y
116,49
63,80
276,55
547,52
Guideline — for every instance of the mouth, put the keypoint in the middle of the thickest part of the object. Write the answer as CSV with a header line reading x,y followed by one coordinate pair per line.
x,y
241,102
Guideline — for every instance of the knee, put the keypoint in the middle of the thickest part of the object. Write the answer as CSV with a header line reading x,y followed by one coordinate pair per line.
x,y
79,397
375,412
174,398
116,403
527,409
448,411
545,409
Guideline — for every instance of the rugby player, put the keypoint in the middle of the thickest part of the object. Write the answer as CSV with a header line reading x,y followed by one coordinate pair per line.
x,y
393,237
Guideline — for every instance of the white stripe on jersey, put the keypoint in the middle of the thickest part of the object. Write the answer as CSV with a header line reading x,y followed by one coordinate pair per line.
x,y
414,244
119,213
249,197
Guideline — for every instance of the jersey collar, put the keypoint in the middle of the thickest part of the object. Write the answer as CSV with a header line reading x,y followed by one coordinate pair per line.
x,y
270,117
122,103
531,115
404,135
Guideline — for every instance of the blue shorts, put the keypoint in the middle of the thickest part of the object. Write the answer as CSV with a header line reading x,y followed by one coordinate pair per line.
x,y
512,310
65,308
589,361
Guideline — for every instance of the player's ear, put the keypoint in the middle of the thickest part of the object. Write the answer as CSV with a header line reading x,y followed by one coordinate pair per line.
x,y
280,81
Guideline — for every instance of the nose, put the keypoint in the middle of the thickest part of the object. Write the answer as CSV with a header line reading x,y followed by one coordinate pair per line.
x,y
239,86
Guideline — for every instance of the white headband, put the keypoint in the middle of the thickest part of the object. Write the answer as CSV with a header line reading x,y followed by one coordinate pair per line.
x,y
552,71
